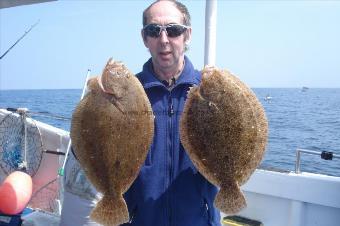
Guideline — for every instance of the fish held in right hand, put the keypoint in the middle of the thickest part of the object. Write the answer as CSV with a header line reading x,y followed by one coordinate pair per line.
x,y
112,130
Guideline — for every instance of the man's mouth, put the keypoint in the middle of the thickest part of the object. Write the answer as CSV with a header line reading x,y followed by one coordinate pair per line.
x,y
165,53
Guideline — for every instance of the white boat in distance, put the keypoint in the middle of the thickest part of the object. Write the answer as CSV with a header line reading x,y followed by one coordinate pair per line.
x,y
304,89
268,98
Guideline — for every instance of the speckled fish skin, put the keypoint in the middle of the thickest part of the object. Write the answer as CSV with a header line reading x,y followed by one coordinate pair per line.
x,y
224,129
111,131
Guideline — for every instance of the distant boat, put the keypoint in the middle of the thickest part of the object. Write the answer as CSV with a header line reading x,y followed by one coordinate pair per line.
x,y
304,89
268,98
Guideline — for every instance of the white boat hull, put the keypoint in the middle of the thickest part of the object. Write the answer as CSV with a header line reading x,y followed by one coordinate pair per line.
x,y
289,199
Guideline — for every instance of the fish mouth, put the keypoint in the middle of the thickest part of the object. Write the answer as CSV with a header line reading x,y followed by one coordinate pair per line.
x,y
112,68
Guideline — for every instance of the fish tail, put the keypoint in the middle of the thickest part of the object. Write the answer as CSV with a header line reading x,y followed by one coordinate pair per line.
x,y
230,199
110,211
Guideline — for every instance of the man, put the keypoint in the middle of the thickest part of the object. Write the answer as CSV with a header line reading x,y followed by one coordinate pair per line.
x,y
169,191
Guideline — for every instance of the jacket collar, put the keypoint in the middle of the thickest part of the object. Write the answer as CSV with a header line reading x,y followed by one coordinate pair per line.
x,y
188,75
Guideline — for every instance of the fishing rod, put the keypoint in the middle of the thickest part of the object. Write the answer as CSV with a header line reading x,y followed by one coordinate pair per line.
x,y
69,145
26,32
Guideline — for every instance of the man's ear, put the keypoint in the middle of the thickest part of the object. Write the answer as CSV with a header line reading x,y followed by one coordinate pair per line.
x,y
143,37
187,37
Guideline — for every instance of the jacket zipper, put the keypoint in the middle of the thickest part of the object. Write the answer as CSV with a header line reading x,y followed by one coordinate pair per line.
x,y
207,209
133,213
170,114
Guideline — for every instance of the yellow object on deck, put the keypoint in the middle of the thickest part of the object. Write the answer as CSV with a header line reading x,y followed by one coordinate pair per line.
x,y
240,221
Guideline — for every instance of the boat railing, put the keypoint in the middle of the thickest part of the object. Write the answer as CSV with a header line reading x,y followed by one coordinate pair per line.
x,y
326,155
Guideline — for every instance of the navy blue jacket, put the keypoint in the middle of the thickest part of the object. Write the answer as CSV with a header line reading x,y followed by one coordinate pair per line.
x,y
169,191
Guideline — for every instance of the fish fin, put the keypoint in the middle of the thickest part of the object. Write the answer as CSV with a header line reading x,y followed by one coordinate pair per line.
x,y
91,83
230,199
100,83
110,211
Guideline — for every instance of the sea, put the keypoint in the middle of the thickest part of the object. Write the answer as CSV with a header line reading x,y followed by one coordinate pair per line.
x,y
298,118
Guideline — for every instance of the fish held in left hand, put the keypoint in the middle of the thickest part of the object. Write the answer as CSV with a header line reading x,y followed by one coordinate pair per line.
x,y
224,129
111,131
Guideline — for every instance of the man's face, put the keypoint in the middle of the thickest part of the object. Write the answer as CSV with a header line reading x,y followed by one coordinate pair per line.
x,y
167,52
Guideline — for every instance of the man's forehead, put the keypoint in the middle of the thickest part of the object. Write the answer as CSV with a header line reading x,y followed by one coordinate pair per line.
x,y
164,10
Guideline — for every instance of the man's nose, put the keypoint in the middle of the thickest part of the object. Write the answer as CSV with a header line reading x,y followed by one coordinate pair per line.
x,y
164,36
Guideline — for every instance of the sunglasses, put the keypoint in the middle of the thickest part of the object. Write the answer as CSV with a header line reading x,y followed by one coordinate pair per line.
x,y
172,30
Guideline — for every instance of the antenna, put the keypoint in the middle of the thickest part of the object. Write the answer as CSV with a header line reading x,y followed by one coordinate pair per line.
x,y
26,32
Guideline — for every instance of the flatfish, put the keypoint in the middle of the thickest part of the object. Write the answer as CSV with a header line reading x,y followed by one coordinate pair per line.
x,y
224,130
111,131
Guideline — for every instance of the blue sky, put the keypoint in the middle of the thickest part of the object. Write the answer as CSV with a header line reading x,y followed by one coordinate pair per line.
x,y
265,43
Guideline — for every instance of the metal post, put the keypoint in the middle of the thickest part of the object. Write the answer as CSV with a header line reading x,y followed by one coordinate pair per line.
x,y
297,164
210,32
298,157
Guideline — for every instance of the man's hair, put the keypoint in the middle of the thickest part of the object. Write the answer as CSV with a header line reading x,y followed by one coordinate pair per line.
x,y
180,6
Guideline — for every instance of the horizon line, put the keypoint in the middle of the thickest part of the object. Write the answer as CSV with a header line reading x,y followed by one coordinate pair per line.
x,y
300,87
